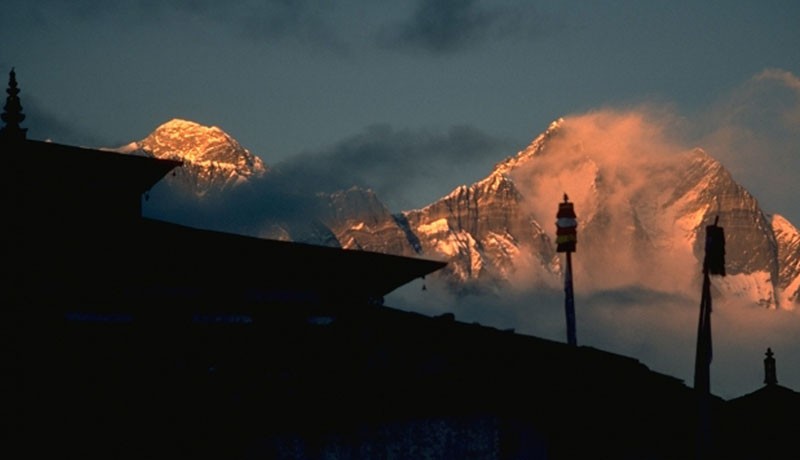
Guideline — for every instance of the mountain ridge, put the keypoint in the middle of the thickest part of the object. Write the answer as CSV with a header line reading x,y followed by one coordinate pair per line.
x,y
641,212
491,230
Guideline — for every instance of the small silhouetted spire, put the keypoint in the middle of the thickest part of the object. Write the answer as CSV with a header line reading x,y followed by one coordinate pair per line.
x,y
770,376
12,114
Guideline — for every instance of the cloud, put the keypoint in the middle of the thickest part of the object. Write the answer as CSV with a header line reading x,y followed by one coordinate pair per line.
x,y
657,328
435,26
256,208
616,166
644,303
447,26
787,78
661,331
651,321
755,132
301,20
403,167
406,168
44,125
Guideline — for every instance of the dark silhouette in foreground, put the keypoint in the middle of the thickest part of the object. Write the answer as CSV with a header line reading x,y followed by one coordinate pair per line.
x,y
125,337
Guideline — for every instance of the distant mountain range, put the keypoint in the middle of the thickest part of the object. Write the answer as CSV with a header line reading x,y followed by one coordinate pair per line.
x,y
641,217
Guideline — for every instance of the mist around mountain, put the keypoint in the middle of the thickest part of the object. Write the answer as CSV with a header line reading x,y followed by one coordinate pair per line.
x,y
642,205
642,201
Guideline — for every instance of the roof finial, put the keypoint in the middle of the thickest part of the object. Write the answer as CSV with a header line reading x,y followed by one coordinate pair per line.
x,y
12,112
770,375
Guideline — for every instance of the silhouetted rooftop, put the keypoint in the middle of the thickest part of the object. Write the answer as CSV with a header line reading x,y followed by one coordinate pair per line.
x,y
48,164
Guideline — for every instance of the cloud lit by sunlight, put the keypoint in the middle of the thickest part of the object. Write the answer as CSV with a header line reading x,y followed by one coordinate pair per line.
x,y
619,166
615,166
644,302
657,328
755,132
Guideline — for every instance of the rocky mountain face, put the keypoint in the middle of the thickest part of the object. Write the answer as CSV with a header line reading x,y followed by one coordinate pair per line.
x,y
212,160
788,239
641,224
642,212
360,221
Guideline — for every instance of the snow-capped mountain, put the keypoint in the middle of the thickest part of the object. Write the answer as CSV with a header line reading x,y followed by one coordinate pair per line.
x,y
641,213
212,159
788,240
642,206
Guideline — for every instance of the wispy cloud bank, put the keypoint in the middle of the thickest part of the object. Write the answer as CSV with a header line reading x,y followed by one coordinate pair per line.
x,y
42,124
636,149
657,328
619,167
755,132
434,26
642,304
404,167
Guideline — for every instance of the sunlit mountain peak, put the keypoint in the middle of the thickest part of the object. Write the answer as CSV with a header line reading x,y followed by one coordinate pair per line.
x,y
213,160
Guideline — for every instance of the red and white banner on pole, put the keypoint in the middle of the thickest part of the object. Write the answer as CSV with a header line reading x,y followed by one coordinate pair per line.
x,y
566,227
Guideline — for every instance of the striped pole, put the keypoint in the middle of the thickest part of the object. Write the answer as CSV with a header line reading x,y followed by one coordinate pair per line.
x,y
566,239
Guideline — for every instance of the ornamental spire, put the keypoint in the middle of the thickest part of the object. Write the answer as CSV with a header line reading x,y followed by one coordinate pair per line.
x,y
12,114
770,375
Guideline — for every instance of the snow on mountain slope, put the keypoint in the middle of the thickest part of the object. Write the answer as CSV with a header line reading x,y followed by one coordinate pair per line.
x,y
213,160
642,204
360,221
788,240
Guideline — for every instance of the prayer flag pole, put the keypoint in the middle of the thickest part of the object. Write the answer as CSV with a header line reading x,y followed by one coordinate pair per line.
x,y
566,239
713,264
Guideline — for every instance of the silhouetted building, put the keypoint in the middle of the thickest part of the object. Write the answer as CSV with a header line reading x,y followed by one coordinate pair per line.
x,y
127,337
136,338
107,312
763,424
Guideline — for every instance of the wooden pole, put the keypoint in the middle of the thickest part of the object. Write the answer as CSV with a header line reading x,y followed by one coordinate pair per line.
x,y
702,361
569,303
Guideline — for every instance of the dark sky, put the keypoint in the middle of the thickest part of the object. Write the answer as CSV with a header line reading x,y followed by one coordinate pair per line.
x,y
310,77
